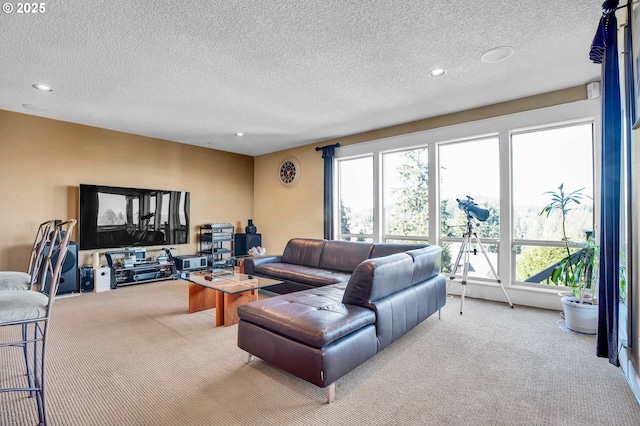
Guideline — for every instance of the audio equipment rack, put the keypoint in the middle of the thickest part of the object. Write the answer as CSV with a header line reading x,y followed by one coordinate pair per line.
x,y
216,242
130,266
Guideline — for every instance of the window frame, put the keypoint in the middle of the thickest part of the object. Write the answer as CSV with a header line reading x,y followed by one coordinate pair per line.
x,y
515,242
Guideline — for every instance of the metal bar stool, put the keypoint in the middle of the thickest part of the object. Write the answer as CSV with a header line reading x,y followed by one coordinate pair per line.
x,y
15,280
32,309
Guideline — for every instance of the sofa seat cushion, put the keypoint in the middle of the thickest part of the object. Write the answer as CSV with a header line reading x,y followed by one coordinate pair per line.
x,y
316,277
316,317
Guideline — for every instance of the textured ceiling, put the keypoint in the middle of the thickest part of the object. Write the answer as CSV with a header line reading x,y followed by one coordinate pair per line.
x,y
285,73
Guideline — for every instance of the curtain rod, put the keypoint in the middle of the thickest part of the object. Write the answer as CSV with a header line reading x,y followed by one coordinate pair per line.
x,y
614,9
320,148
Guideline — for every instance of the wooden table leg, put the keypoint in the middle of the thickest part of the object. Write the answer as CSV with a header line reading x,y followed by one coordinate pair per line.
x,y
230,306
220,296
201,298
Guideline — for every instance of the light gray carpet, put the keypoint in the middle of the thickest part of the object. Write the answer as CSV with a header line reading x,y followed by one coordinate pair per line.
x,y
134,356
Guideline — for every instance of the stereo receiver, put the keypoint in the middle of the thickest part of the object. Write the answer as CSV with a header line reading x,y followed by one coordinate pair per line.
x,y
190,263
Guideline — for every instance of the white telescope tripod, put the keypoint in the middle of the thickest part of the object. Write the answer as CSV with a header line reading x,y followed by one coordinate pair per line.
x,y
465,249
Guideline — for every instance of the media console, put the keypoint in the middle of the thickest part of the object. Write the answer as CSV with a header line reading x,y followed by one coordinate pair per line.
x,y
130,266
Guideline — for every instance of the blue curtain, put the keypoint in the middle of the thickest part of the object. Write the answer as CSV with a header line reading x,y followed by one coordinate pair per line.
x,y
327,153
604,51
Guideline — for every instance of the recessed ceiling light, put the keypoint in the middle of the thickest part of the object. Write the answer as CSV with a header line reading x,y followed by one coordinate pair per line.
x,y
43,87
239,134
497,54
437,72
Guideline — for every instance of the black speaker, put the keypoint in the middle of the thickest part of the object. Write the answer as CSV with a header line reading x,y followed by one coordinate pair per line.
x,y
70,275
243,242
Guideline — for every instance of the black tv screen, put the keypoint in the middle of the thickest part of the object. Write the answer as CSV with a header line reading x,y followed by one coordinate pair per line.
x,y
116,217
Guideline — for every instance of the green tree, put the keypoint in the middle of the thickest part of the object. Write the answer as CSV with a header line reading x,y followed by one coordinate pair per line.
x,y
561,201
447,231
345,220
535,259
411,212
490,228
487,229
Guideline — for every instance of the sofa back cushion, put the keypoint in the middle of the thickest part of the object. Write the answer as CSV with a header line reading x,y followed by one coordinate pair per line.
x,y
385,249
303,251
377,278
344,256
427,263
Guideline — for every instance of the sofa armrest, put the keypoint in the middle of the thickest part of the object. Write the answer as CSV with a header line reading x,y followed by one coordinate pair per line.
x,y
249,263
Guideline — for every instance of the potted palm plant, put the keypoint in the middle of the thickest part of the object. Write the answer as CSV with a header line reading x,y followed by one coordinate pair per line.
x,y
577,270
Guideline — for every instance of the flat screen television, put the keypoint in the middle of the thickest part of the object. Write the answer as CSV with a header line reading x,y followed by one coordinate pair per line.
x,y
116,217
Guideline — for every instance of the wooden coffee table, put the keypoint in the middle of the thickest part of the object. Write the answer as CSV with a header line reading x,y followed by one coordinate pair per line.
x,y
223,289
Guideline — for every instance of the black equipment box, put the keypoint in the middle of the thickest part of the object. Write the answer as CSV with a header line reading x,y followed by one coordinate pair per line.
x,y
190,263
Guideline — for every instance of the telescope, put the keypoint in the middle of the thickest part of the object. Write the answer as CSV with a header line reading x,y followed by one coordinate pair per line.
x,y
472,209
470,237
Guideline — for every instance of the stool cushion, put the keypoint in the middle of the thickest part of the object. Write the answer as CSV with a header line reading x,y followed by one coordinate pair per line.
x,y
20,305
13,280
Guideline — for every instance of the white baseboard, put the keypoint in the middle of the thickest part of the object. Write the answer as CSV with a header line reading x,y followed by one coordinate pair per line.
x,y
545,298
630,373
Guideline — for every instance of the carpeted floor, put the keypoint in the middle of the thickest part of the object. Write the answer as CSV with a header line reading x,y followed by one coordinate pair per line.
x,y
134,356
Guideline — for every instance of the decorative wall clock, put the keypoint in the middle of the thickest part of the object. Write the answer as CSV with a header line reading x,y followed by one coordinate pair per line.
x,y
289,172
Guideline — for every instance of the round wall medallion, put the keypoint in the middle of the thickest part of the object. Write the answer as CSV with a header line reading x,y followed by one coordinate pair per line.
x,y
289,172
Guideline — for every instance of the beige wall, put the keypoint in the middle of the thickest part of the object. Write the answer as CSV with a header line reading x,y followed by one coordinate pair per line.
x,y
43,161
281,214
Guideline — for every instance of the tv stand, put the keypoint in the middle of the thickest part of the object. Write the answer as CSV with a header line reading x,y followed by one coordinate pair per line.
x,y
130,266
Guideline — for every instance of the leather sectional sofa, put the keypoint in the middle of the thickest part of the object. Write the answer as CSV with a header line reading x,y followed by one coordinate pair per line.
x,y
310,263
322,333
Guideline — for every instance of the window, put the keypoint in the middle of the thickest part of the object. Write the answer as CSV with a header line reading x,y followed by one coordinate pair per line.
x,y
405,189
355,177
470,169
406,195
547,165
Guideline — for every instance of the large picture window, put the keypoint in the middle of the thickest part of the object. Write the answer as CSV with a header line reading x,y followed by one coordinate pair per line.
x,y
470,170
406,195
550,165
355,189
